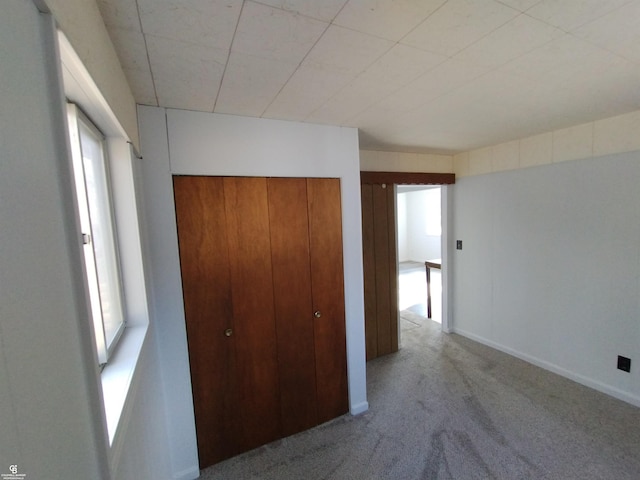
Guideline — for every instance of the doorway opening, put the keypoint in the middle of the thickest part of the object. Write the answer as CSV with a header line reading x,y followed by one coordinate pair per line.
x,y
380,254
419,240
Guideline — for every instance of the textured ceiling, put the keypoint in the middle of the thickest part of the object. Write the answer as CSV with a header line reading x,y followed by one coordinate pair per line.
x,y
413,75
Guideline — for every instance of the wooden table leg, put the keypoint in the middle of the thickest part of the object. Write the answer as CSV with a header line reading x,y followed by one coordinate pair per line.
x,y
428,291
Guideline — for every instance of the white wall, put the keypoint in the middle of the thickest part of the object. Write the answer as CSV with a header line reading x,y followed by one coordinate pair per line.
x,y
420,205
402,240
50,417
165,287
50,399
549,268
143,451
378,161
181,142
413,208
82,23
594,139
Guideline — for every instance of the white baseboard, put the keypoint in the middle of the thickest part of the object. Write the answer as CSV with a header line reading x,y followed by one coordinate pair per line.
x,y
576,377
359,408
190,473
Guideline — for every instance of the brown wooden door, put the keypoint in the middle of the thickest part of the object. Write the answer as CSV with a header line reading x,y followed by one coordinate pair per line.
x,y
254,327
380,269
294,308
259,257
325,233
223,232
206,285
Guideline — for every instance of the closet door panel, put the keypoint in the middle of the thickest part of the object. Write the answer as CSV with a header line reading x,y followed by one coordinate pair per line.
x,y
383,286
327,281
293,307
369,272
204,263
254,331
393,268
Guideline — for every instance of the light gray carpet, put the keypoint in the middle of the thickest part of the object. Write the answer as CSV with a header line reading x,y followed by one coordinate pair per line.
x,y
445,407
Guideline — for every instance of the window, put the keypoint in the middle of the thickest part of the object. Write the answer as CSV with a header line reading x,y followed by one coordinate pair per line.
x,y
117,276
102,265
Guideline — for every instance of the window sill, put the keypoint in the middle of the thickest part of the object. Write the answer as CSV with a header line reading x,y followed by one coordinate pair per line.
x,y
117,376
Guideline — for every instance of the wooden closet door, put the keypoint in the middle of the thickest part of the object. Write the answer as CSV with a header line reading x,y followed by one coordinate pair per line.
x,y
259,257
223,231
204,263
327,280
254,330
294,310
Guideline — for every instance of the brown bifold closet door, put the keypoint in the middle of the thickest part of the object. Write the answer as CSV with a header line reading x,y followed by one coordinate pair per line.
x,y
325,234
380,269
293,303
261,262
223,234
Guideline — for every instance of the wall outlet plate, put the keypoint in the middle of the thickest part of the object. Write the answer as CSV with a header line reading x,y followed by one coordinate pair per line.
x,y
624,363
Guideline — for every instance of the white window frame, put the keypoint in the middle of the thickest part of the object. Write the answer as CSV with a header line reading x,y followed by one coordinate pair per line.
x,y
103,275
118,379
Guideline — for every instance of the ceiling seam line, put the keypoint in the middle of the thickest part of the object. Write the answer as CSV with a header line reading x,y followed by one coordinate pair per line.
x,y
353,80
423,20
146,51
226,63
295,70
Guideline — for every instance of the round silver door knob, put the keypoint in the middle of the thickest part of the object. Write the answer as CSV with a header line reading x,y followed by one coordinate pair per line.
x,y
228,332
317,314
